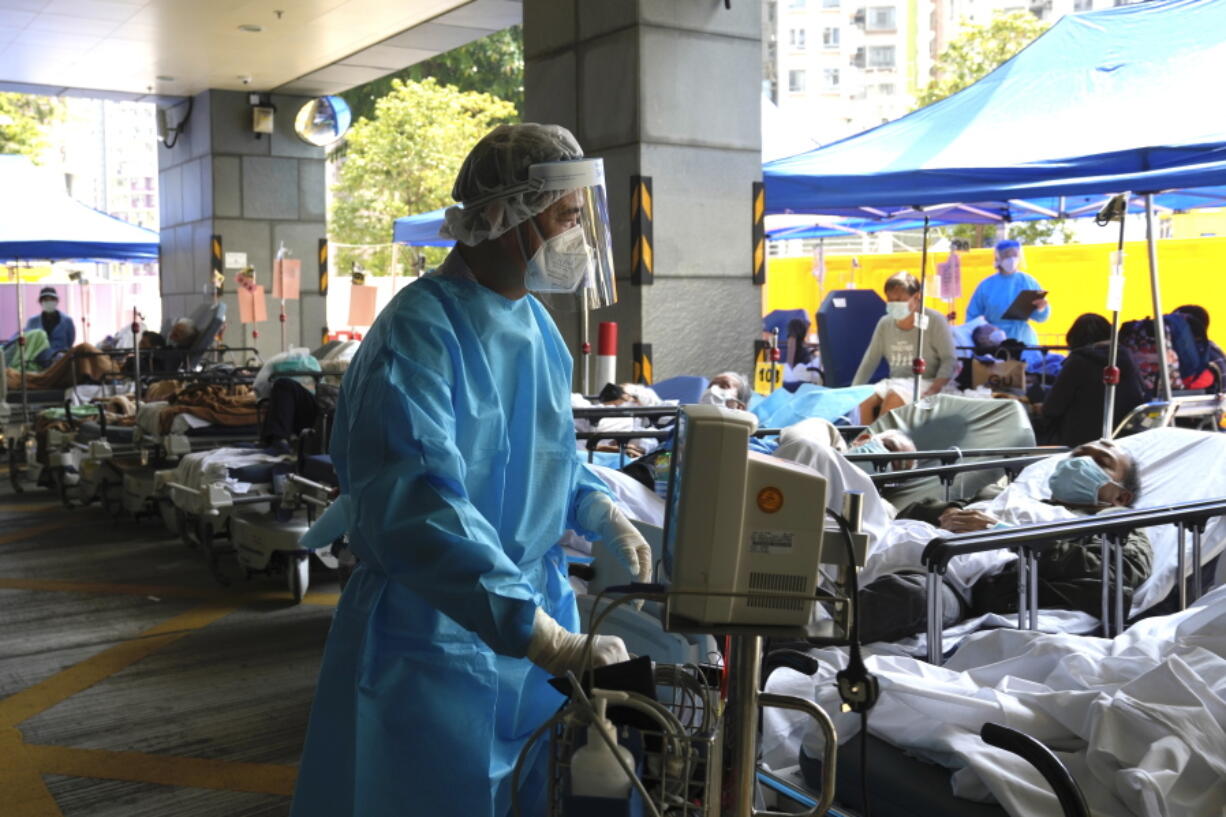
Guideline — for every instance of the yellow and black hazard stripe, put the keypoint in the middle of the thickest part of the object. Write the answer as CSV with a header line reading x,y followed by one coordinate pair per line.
x,y
643,372
323,266
642,260
759,234
217,264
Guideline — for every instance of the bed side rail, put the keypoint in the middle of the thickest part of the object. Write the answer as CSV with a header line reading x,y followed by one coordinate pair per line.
x,y
1031,540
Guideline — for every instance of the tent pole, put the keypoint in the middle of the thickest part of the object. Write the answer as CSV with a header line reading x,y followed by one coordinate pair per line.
x,y
21,350
918,365
1111,374
1151,241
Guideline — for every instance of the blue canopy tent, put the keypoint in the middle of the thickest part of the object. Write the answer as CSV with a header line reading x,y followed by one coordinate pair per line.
x,y
421,230
1102,103
41,222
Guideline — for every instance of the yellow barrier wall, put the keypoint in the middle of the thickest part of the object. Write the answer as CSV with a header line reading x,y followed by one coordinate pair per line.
x,y
1075,276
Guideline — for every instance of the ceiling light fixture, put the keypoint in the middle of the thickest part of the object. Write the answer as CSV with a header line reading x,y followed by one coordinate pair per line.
x,y
165,78
251,28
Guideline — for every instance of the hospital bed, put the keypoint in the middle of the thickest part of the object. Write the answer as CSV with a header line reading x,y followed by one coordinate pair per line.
x,y
261,508
947,421
902,784
1031,541
1172,527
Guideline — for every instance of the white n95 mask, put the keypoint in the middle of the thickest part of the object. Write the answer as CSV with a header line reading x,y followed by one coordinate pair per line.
x,y
560,264
898,310
1008,265
718,396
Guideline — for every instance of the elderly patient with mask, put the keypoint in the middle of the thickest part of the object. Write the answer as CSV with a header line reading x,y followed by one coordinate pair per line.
x,y
1095,478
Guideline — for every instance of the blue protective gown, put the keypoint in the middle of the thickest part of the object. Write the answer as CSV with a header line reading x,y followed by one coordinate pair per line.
x,y
61,338
454,440
995,295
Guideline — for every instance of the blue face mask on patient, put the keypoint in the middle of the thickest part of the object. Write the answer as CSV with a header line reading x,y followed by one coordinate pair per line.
x,y
871,446
1077,480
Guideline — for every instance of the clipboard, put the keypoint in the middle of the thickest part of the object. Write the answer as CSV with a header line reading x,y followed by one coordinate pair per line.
x,y
1023,305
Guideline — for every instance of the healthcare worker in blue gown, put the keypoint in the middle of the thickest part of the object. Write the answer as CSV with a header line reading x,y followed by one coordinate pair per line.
x,y
454,445
995,295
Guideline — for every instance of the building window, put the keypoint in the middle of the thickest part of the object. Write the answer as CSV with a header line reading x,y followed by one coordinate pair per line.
x,y
796,81
881,56
886,89
1083,5
796,38
148,182
830,4
149,201
831,76
796,4
830,38
881,18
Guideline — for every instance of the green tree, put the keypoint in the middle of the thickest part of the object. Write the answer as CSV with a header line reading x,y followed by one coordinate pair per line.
x,y
404,160
24,122
977,51
969,57
493,65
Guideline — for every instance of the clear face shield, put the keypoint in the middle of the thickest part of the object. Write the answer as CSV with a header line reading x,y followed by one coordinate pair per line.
x,y
567,247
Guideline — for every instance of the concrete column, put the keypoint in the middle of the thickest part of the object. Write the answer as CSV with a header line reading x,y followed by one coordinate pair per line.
x,y
669,90
219,179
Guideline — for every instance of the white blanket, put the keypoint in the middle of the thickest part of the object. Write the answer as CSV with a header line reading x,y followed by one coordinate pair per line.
x,y
1140,719
211,467
150,416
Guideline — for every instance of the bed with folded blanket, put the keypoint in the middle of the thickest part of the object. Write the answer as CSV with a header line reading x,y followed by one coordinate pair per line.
x,y
201,410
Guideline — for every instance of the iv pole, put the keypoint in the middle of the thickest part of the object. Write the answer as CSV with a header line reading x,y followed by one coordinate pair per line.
x,y
918,366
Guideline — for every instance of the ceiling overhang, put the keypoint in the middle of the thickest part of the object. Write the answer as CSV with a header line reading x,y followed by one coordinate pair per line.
x,y
162,50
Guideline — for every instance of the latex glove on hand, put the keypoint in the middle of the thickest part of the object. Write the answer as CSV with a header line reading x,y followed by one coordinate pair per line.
x,y
555,649
600,514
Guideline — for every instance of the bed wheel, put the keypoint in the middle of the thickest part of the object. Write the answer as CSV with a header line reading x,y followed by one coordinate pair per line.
x,y
60,483
110,506
14,469
212,557
299,570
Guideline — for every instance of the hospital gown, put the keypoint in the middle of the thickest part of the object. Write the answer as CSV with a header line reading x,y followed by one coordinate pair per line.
x,y
454,443
995,295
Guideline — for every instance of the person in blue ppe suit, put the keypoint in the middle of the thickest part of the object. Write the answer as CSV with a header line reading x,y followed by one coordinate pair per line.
x,y
60,330
995,294
454,447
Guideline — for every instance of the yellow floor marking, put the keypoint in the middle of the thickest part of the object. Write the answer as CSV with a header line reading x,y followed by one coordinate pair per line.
x,y
168,591
28,508
263,778
68,682
29,533
21,785
159,590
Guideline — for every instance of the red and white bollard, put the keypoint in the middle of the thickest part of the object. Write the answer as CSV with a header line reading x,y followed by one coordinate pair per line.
x,y
606,355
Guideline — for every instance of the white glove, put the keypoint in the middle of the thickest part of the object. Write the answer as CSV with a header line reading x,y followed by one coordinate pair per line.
x,y
598,513
555,649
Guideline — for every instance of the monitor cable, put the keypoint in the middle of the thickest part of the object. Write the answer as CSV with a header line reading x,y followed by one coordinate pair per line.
x,y
858,688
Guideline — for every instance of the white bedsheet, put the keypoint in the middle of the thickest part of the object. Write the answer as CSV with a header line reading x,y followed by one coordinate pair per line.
x,y
211,467
1139,719
149,420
